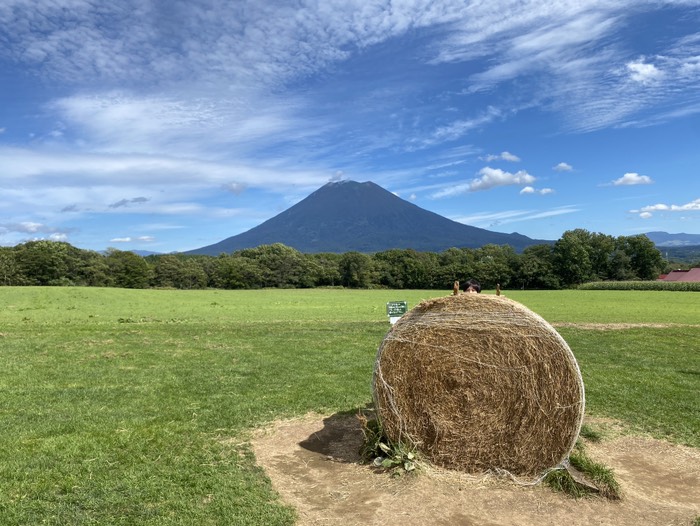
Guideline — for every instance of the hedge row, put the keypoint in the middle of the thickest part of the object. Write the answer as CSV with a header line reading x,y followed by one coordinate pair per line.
x,y
642,285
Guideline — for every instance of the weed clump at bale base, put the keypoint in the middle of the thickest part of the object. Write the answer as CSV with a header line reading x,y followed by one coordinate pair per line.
x,y
479,383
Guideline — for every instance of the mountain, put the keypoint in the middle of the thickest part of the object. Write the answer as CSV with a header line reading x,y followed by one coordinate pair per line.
x,y
364,217
677,248
664,239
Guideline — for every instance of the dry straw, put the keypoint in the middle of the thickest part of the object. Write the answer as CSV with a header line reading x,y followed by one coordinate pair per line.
x,y
479,383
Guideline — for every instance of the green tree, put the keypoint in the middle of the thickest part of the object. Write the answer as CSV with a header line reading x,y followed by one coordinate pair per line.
x,y
281,266
45,262
620,266
237,272
192,275
128,270
536,268
454,264
356,270
600,248
646,262
494,264
571,261
166,270
10,273
180,272
91,269
406,269
325,269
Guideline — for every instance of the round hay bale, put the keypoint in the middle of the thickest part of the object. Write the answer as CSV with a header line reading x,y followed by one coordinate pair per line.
x,y
479,383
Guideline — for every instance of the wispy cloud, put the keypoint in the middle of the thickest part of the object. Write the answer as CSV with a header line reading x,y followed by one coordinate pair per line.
x,y
28,227
126,202
503,156
487,219
456,129
129,239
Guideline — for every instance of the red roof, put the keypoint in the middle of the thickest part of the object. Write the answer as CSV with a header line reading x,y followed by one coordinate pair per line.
x,y
682,275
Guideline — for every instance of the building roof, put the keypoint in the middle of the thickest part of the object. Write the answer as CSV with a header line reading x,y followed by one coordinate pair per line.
x,y
681,275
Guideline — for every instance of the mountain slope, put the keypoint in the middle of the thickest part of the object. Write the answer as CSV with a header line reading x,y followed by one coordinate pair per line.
x,y
350,216
664,239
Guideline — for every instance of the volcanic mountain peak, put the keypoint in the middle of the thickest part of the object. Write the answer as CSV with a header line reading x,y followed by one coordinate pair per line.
x,y
347,216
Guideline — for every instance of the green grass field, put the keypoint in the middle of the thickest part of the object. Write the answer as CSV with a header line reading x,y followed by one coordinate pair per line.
x,y
136,406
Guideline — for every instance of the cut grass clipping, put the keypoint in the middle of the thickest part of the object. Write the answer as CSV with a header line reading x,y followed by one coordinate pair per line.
x,y
479,383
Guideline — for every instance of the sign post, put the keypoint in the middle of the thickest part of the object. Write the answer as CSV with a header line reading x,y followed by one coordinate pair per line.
x,y
396,309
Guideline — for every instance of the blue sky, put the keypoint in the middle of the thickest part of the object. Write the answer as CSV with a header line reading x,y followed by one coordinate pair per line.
x,y
171,125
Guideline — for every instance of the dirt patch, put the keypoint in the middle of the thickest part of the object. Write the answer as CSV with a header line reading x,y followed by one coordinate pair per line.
x,y
314,465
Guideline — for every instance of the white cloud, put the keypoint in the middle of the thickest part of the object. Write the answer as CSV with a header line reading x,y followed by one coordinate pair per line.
x,y
692,205
490,178
646,211
28,227
503,156
541,191
656,208
493,177
631,179
563,167
644,73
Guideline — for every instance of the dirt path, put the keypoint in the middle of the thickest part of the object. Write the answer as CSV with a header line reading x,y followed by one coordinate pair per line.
x,y
313,464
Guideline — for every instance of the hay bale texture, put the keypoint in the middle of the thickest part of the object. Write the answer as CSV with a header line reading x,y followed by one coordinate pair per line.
x,y
479,383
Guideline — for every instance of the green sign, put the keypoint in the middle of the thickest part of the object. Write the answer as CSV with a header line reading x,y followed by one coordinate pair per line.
x,y
396,308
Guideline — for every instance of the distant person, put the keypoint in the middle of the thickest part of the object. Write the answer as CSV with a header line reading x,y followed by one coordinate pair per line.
x,y
455,288
498,289
472,287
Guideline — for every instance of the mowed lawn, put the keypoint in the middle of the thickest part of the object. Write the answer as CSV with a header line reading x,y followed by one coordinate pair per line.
x,y
137,406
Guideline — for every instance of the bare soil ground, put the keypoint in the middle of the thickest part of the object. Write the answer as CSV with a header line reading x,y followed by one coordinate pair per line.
x,y
314,465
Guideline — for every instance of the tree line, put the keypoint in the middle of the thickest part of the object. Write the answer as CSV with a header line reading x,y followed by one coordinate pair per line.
x,y
579,256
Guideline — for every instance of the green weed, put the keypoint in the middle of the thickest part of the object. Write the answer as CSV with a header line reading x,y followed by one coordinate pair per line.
x,y
601,476
381,452
590,434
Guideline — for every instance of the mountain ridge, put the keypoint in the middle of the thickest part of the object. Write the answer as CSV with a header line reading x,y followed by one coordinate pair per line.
x,y
348,216
681,239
